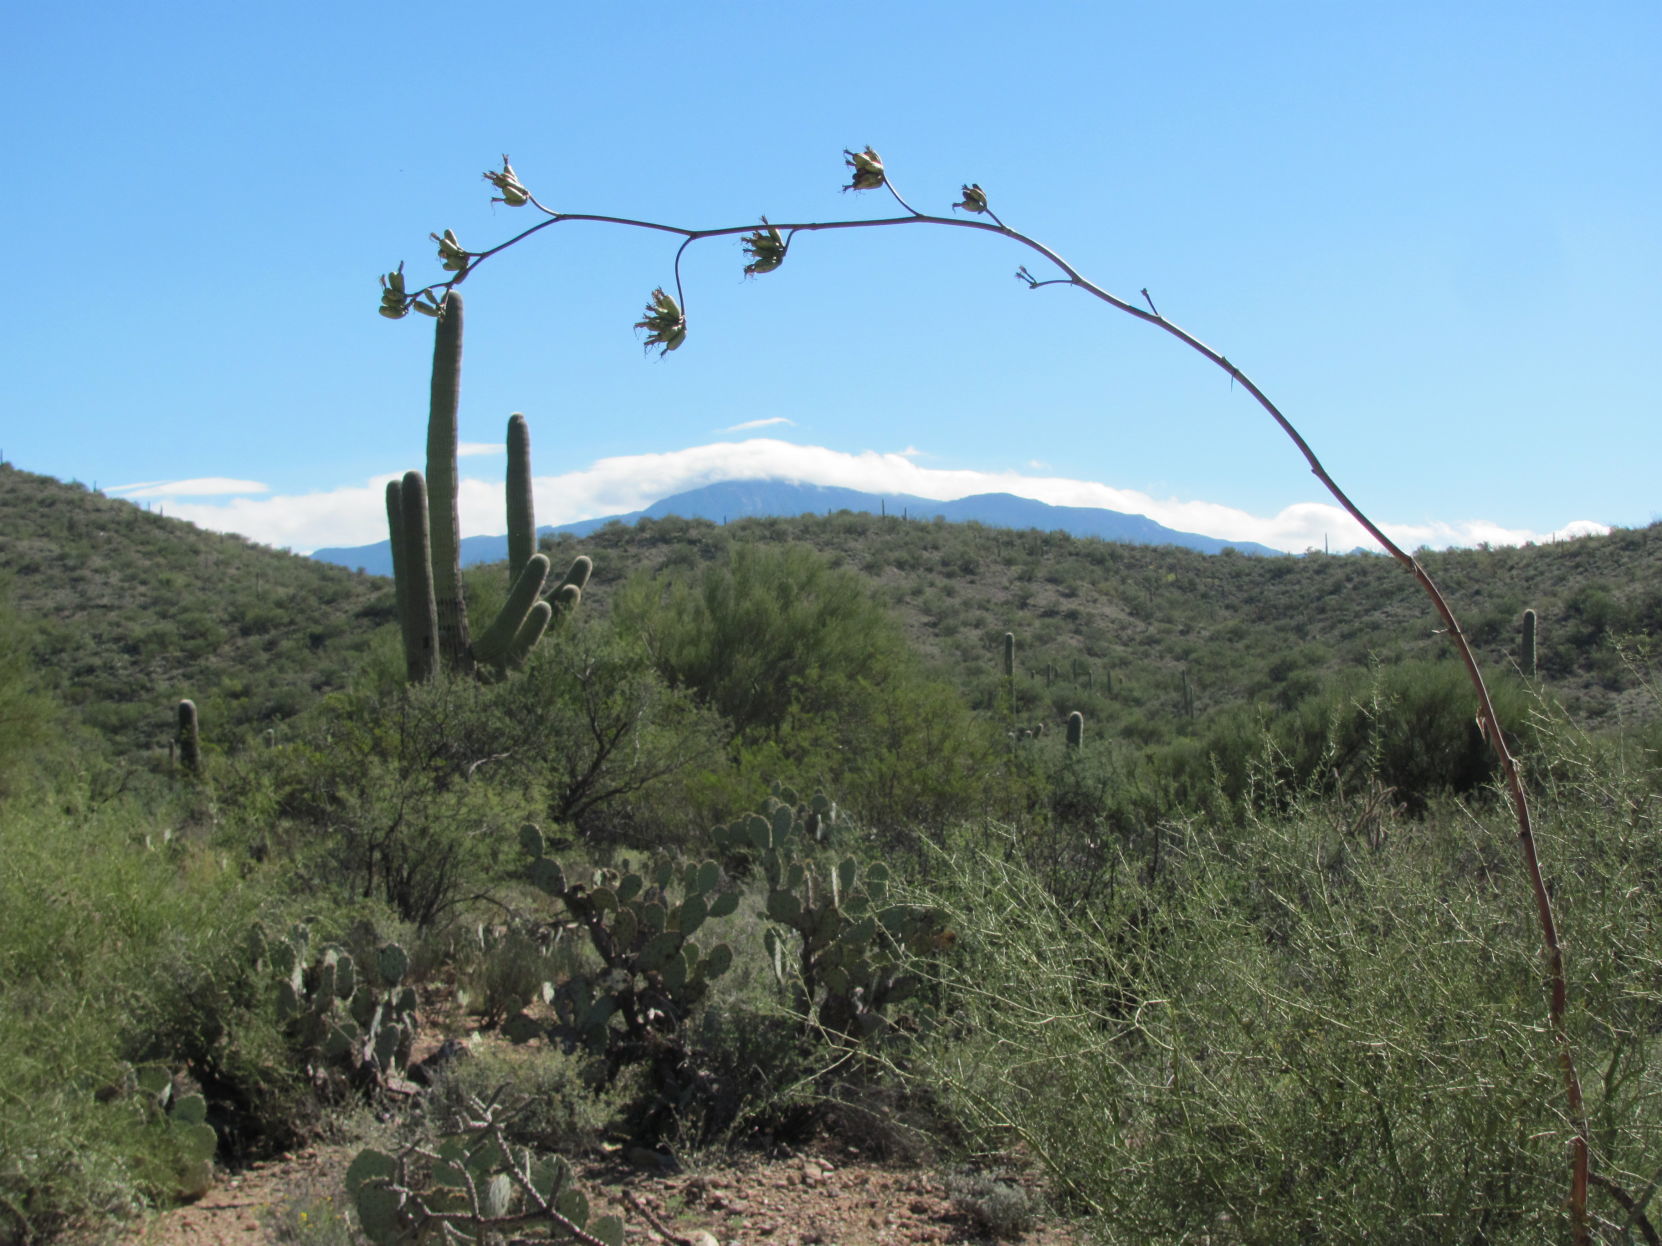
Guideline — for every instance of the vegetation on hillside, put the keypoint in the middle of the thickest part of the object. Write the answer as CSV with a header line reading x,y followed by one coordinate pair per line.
x,y
1249,962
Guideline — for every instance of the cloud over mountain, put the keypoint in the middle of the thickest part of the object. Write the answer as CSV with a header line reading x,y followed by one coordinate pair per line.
x,y
356,514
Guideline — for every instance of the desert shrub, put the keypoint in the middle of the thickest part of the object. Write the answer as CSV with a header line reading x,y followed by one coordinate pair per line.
x,y
816,682
556,1101
31,725
120,944
1288,1035
1001,1210
408,795
615,747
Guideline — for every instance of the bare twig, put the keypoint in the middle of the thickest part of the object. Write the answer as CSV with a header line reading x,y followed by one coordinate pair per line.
x,y
658,1226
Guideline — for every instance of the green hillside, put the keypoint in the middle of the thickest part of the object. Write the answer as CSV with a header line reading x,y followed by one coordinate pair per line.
x,y
132,611
1113,628
1245,954
135,610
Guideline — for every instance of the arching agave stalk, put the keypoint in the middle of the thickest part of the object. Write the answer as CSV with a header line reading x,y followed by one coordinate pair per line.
x,y
666,322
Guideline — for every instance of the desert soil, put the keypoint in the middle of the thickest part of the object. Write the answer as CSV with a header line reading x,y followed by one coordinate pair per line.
x,y
813,1199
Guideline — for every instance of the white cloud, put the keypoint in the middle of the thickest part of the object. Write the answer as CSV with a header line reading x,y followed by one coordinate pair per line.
x,y
476,449
750,424
356,515
201,487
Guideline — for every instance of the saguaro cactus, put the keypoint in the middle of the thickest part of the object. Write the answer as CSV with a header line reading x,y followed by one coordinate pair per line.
x,y
426,540
190,743
1076,729
442,515
1527,658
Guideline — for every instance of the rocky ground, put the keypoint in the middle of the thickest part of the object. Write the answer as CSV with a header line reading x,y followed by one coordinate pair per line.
x,y
799,1200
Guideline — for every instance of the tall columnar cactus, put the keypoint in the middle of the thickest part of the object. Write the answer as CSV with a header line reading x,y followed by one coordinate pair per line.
x,y
412,570
190,742
426,541
1076,729
1527,659
443,518
522,516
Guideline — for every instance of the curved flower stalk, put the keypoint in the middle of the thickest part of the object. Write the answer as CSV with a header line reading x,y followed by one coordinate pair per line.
x,y
666,322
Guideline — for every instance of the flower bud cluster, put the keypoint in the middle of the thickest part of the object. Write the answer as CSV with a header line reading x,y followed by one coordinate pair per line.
x,y
766,250
395,304
513,193
868,169
665,325
975,199
452,256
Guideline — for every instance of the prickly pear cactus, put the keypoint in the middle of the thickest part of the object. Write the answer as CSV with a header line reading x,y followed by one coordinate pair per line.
x,y
838,943
653,972
185,1117
348,1032
474,1187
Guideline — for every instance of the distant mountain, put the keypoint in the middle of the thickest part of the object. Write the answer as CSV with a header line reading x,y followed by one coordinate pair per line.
x,y
737,499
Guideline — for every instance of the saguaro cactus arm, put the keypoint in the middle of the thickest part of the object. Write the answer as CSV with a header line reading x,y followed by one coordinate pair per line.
x,y
413,570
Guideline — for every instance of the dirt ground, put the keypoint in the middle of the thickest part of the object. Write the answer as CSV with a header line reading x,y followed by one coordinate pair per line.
x,y
802,1200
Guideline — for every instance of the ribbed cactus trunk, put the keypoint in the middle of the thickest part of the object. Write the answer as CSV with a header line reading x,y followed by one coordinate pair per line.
x,y
1527,658
190,742
1076,729
412,570
522,514
444,523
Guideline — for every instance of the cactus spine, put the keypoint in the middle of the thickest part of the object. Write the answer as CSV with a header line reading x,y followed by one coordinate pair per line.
x,y
1076,729
190,744
1528,657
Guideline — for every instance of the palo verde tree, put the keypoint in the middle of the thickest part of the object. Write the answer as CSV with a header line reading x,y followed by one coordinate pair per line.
x,y
767,248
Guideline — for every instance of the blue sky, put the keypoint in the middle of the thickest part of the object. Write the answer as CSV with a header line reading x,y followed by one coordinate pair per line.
x,y
1429,231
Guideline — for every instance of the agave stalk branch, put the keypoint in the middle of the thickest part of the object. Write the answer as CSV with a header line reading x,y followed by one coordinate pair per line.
x,y
1488,720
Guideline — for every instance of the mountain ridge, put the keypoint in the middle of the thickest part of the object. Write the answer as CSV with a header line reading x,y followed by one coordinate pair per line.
x,y
759,498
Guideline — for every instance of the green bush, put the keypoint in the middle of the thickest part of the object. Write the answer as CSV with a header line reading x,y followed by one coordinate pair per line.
x,y
817,683
1291,1035
120,944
